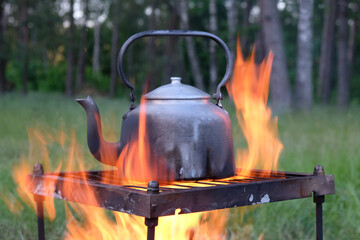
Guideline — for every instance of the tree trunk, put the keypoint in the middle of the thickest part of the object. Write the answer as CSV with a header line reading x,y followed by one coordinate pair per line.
x,y
272,30
81,77
3,59
25,43
70,52
245,26
114,47
260,49
343,81
150,45
96,53
303,81
351,46
327,48
170,47
232,21
190,45
213,29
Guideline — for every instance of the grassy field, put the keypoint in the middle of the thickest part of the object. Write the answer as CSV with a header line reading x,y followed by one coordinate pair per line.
x,y
325,136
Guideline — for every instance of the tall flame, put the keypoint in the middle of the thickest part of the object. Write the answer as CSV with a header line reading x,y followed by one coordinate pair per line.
x,y
249,90
133,163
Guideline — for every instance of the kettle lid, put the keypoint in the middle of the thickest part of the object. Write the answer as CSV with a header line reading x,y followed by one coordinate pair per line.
x,y
176,91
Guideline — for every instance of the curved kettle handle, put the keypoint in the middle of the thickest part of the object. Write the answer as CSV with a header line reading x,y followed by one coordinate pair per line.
x,y
217,95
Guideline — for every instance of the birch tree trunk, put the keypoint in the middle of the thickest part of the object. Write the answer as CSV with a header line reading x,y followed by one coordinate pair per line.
x,y
114,47
304,64
190,45
25,43
272,30
70,52
327,48
232,21
96,52
212,47
343,80
81,77
3,59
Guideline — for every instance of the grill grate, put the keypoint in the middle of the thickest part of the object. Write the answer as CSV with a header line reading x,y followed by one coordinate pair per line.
x,y
153,200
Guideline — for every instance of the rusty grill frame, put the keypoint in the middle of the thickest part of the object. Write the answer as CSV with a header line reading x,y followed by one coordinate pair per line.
x,y
154,201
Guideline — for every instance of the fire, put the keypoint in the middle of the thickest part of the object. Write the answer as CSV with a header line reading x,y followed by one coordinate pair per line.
x,y
249,90
88,222
133,164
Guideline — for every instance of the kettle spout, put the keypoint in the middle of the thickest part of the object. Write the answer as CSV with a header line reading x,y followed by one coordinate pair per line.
x,y
103,151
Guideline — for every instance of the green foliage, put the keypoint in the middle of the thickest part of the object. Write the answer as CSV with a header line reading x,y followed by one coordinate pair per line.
x,y
13,74
48,38
98,81
45,79
52,79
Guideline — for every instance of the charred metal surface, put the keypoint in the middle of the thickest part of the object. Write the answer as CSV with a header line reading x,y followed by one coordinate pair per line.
x,y
241,194
215,194
112,197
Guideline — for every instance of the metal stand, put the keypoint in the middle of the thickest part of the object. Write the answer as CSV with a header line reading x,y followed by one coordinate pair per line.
x,y
317,183
151,223
38,170
319,200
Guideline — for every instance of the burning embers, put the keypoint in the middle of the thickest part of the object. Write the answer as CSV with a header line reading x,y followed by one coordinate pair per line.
x,y
188,152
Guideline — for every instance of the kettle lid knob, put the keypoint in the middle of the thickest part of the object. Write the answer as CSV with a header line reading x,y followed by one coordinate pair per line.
x,y
175,80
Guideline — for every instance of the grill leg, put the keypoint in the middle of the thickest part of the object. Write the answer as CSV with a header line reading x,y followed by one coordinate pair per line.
x,y
319,200
40,217
151,223
38,170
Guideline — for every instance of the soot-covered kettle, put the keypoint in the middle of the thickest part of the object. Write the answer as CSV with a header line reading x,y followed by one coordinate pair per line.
x,y
189,136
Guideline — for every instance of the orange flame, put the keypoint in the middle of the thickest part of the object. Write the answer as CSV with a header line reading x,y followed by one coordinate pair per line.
x,y
133,163
87,222
249,90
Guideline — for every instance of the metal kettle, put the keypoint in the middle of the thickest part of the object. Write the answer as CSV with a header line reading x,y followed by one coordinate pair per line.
x,y
189,136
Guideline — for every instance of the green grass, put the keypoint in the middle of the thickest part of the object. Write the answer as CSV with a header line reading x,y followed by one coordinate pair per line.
x,y
325,136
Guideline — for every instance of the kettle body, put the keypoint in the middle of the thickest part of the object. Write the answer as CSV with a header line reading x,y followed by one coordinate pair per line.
x,y
188,136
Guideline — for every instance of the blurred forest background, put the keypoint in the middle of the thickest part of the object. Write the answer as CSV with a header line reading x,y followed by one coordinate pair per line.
x,y
71,46
51,50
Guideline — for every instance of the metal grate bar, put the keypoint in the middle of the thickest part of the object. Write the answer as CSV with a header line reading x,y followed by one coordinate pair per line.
x,y
195,196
